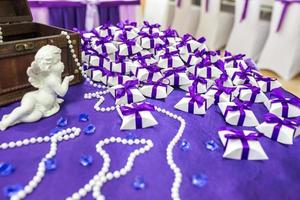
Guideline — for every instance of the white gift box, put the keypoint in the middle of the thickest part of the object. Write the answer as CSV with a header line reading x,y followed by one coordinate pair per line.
x,y
156,91
122,67
205,72
224,80
95,74
176,76
129,122
144,73
161,50
277,108
234,148
238,62
279,131
130,34
124,49
233,73
268,84
200,87
190,59
172,61
219,95
104,30
144,57
150,30
113,79
234,117
137,96
186,104
150,43
103,47
191,46
99,61
245,93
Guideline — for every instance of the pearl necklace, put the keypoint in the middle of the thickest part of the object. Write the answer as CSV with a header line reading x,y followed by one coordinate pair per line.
x,y
103,176
1,35
67,134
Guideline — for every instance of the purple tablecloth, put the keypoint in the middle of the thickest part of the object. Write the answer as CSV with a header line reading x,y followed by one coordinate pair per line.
x,y
276,179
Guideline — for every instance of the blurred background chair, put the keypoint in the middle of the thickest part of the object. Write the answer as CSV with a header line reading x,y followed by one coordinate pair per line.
x,y
251,27
157,11
186,17
281,51
216,21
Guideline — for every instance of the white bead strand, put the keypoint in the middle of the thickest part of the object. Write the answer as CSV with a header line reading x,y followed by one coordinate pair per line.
x,y
170,160
103,175
1,35
67,134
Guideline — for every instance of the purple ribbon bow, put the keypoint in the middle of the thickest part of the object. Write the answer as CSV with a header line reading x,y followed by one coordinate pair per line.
x,y
284,102
271,118
126,24
222,89
170,33
206,5
102,42
136,109
267,80
241,107
286,5
195,98
197,80
120,92
239,135
175,71
129,43
151,26
169,55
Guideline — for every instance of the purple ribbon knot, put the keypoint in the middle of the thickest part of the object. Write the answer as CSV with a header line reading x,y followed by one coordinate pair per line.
x,y
136,109
241,107
195,98
284,101
286,5
175,72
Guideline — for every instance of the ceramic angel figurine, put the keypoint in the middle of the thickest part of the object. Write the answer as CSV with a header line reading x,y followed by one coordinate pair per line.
x,y
45,75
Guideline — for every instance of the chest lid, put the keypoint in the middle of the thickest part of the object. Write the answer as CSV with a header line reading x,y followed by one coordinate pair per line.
x,y
13,11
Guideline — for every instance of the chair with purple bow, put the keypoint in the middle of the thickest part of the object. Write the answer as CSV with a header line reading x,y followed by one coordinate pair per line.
x,y
251,27
156,11
215,23
281,52
186,17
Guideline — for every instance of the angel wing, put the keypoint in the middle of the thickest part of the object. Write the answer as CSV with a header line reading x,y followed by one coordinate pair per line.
x,y
34,74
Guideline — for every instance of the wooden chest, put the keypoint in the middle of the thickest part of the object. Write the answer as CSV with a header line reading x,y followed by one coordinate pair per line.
x,y
21,40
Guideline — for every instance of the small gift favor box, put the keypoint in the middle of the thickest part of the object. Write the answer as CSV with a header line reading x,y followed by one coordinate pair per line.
x,y
279,129
129,47
190,59
170,61
284,107
122,67
144,57
221,94
149,42
104,45
176,76
200,84
250,93
236,61
150,28
189,44
241,145
127,93
195,103
238,115
94,74
137,116
164,50
98,61
105,30
241,77
267,84
209,72
114,78
146,72
129,34
156,90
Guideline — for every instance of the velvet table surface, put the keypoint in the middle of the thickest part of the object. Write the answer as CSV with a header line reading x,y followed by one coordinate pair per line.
x,y
277,178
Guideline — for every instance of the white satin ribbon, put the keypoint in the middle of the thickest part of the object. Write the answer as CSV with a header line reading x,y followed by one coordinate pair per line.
x,y
92,14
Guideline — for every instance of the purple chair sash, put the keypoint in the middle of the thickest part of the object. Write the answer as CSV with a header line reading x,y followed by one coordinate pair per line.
x,y
245,10
206,5
178,3
270,118
239,135
136,109
286,5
